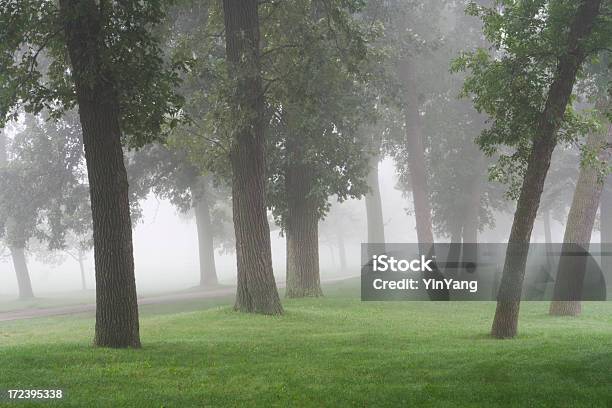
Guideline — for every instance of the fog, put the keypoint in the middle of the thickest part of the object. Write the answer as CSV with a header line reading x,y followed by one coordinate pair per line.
x,y
166,247
413,100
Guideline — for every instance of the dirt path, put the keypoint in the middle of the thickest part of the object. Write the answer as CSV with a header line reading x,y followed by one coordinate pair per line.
x,y
148,300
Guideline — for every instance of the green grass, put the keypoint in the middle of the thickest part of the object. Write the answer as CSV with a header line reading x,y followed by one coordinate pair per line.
x,y
335,351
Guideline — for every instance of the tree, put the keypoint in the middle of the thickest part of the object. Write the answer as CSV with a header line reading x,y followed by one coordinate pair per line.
x,y
526,91
167,171
571,272
16,244
256,290
461,201
570,276
42,188
341,223
103,57
16,248
315,54
413,31
309,54
373,200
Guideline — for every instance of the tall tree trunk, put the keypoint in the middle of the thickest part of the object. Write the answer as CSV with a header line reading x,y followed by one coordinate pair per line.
x,y
332,254
257,290
116,302
471,224
3,155
581,218
82,269
21,270
341,251
416,162
547,227
472,216
606,228
456,233
454,250
376,226
548,240
16,240
302,231
206,245
505,322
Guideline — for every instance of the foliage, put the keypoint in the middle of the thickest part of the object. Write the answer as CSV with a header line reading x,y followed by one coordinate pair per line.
x,y
510,81
314,64
166,170
317,61
35,73
43,186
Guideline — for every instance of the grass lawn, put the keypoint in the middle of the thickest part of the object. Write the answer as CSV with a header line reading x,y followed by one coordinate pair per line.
x,y
334,351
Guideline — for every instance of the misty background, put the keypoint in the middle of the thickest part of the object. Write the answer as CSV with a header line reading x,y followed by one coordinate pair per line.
x,y
166,247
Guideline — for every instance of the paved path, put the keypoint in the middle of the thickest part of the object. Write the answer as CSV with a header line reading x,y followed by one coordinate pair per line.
x,y
151,300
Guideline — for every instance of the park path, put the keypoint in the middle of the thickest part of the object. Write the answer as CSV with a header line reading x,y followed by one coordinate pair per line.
x,y
33,313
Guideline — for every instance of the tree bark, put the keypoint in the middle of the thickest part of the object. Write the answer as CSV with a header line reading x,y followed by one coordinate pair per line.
x,y
472,216
302,231
256,292
376,226
505,323
206,245
548,240
21,270
581,218
116,302
606,228
471,224
3,155
416,163
342,251
82,269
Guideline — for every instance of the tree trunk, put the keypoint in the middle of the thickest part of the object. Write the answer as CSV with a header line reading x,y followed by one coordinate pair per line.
x,y
470,226
206,246
581,218
3,155
472,216
302,231
547,228
116,302
332,255
548,240
21,270
376,226
342,251
606,229
416,163
456,233
82,269
257,290
17,247
454,250
505,322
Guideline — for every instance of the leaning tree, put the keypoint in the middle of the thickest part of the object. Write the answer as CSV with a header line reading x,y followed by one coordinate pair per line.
x,y
595,166
526,88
